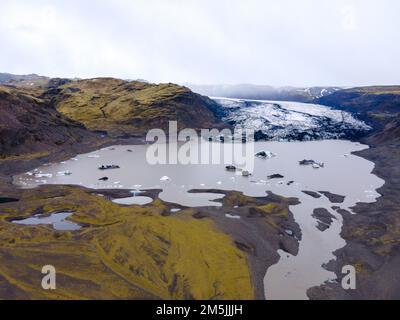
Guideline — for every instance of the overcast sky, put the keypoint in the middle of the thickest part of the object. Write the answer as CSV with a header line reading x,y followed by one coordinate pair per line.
x,y
285,42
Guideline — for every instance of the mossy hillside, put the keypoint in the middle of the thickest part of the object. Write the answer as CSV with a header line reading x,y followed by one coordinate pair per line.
x,y
122,252
130,108
366,101
29,126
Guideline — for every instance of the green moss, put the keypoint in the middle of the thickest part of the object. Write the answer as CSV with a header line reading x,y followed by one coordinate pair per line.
x,y
123,252
273,209
121,107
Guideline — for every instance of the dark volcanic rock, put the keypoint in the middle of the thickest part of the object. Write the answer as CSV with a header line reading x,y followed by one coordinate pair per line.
x,y
312,194
334,198
324,217
372,241
230,168
8,199
31,128
275,176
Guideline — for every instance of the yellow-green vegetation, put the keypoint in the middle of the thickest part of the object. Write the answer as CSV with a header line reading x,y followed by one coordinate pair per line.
x,y
386,92
122,252
128,108
383,238
236,198
273,209
272,213
25,156
378,90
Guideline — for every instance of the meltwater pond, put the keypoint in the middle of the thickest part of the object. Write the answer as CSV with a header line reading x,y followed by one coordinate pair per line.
x,y
343,174
56,219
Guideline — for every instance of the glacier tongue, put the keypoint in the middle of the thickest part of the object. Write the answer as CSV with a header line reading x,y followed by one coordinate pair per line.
x,y
291,120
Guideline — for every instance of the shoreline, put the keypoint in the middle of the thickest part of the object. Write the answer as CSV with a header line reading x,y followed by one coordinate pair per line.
x,y
260,245
256,268
371,236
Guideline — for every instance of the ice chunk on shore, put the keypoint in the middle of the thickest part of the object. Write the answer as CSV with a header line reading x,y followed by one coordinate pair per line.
x,y
43,175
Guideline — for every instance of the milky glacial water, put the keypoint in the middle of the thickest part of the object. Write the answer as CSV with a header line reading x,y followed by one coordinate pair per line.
x,y
57,220
140,200
344,174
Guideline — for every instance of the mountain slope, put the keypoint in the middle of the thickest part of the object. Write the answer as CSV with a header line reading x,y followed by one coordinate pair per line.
x,y
123,108
29,80
365,99
28,126
379,106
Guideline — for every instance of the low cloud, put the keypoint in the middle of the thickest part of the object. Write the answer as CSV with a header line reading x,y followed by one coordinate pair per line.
x,y
290,42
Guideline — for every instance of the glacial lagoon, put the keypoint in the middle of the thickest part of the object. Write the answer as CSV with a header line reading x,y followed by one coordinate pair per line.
x,y
343,173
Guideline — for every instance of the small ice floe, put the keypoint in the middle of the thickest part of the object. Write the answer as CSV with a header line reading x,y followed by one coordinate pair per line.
x,y
63,162
93,156
275,176
230,168
202,185
219,182
313,163
265,155
74,159
108,167
64,173
29,173
289,232
117,182
164,178
43,175
231,216
175,210
246,173
259,182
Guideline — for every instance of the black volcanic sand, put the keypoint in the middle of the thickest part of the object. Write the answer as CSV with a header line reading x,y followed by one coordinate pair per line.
x,y
265,225
260,231
372,236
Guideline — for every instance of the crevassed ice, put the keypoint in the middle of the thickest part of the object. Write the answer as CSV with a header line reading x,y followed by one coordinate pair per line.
x,y
283,120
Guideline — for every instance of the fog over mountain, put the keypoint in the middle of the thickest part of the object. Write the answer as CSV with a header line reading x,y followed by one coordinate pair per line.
x,y
263,92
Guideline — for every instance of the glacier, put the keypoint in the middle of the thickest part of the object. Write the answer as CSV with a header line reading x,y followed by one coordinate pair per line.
x,y
287,121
